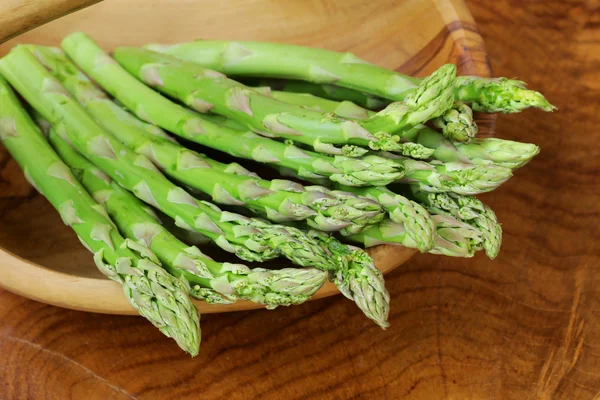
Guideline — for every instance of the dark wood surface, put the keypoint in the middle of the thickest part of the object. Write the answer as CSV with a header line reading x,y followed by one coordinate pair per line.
x,y
524,326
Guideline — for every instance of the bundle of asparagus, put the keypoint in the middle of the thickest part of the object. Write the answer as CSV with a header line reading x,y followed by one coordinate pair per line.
x,y
406,174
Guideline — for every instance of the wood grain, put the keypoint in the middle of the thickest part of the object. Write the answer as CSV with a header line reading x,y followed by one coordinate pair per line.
x,y
42,259
18,16
525,326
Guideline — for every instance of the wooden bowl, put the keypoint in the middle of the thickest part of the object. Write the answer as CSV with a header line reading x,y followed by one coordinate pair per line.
x,y
40,258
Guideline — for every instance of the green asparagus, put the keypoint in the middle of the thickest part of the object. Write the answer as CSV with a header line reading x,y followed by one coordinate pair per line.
x,y
485,151
419,228
148,105
436,176
484,94
467,209
279,200
250,239
416,222
261,59
455,238
346,109
499,95
326,91
452,237
459,177
211,281
457,124
156,295
206,90
274,60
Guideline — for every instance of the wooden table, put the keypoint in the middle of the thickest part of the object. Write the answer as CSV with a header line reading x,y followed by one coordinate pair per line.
x,y
524,326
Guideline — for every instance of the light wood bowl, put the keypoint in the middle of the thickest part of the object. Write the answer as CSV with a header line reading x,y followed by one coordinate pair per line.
x,y
40,258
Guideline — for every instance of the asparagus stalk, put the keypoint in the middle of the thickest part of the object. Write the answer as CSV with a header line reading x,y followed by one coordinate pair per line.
x,y
212,281
461,178
274,60
156,295
148,105
250,239
279,200
485,151
327,91
346,109
456,124
411,225
260,59
452,237
499,95
468,209
417,224
205,90
455,238
483,94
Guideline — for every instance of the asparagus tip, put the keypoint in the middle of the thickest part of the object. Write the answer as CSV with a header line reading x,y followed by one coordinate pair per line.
x,y
500,95
457,124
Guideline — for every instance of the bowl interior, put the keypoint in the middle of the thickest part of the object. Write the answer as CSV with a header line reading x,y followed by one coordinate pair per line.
x,y
411,36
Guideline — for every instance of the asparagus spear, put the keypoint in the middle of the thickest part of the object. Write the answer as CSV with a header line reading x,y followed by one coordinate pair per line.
x,y
484,94
156,295
244,58
326,91
210,280
456,124
274,60
152,107
467,209
346,109
279,200
452,237
205,90
485,151
499,95
462,178
455,238
250,239
416,222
